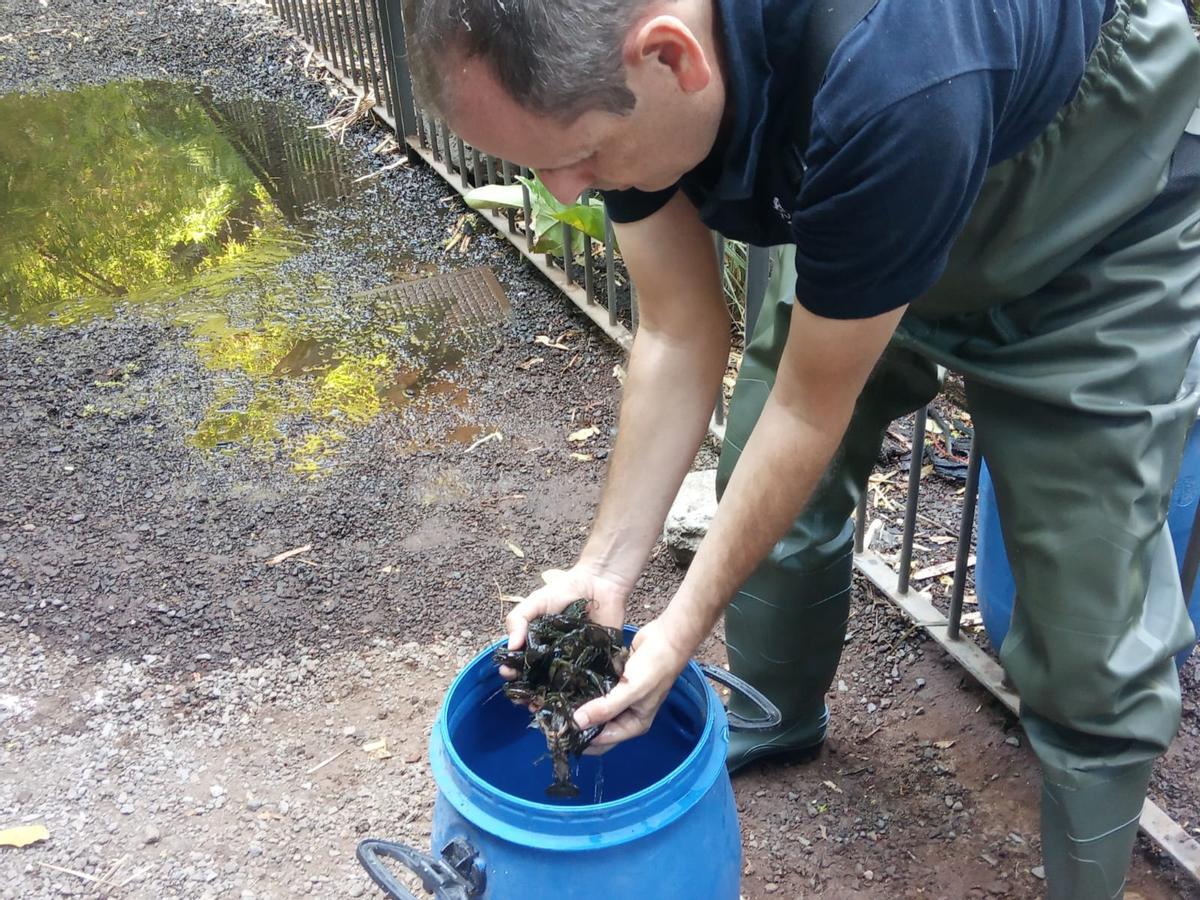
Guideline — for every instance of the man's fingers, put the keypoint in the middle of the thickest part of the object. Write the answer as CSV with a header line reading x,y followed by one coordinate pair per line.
x,y
628,724
605,709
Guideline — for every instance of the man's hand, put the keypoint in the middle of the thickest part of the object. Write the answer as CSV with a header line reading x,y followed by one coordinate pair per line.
x,y
606,595
659,655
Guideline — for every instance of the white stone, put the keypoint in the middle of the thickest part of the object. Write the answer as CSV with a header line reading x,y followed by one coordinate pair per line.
x,y
690,515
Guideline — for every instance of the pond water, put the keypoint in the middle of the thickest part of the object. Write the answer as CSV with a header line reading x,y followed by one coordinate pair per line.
x,y
154,199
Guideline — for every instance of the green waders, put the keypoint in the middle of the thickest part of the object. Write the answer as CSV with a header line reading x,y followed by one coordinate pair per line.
x,y
1071,305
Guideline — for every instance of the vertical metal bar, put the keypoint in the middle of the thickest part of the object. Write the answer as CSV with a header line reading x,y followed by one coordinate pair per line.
x,y
528,211
375,30
610,275
306,26
435,146
965,530
507,173
719,246
568,239
335,37
448,156
758,269
403,108
362,79
371,66
719,407
490,168
462,161
341,25
1191,559
860,523
910,505
476,165
420,122
589,277
319,24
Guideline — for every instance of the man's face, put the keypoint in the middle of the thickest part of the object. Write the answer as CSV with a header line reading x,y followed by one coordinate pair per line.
x,y
666,134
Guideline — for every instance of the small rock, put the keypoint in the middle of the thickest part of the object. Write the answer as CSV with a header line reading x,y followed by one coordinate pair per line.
x,y
1038,872
217,791
841,684
920,683
1013,741
357,890
771,887
869,875
350,730
151,835
690,515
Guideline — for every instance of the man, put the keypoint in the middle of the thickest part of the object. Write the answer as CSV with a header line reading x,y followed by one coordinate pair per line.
x,y
1005,189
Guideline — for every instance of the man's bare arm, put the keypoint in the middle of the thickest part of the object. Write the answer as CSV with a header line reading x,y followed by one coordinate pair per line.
x,y
675,370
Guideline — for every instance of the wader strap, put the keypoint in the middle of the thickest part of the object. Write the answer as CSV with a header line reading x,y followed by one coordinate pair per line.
x,y
828,22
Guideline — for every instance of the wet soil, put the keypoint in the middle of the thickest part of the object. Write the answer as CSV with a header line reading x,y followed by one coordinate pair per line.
x,y
185,709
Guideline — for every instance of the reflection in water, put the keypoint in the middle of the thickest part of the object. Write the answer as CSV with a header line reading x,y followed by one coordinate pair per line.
x,y
153,198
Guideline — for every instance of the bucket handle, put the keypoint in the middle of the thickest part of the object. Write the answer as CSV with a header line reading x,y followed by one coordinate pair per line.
x,y
456,876
771,716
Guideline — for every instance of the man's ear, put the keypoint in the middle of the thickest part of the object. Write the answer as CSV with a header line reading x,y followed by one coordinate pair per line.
x,y
667,42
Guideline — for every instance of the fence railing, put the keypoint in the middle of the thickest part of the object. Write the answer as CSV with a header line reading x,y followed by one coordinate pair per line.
x,y
361,42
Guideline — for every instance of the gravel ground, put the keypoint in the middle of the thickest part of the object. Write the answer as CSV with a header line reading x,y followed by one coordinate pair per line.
x,y
171,702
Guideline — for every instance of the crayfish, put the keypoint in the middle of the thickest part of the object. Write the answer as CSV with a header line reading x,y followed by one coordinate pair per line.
x,y
566,662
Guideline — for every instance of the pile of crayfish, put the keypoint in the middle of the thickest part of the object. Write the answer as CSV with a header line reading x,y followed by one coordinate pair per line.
x,y
566,662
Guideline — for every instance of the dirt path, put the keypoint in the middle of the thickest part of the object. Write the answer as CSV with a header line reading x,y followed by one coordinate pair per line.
x,y
168,693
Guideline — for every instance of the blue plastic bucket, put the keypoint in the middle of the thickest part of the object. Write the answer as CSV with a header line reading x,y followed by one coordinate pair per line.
x,y
655,816
993,577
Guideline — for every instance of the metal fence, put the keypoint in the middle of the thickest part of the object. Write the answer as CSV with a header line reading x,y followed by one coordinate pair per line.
x,y
361,43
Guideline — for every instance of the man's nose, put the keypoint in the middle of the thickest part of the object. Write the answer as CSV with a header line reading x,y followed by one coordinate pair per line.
x,y
565,185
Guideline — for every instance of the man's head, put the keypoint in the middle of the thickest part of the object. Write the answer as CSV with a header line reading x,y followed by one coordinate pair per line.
x,y
589,93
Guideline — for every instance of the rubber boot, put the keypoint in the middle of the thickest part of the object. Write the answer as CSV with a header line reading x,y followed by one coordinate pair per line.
x,y
1088,832
784,633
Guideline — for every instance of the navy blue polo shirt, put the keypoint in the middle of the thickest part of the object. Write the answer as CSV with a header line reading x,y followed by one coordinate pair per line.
x,y
918,100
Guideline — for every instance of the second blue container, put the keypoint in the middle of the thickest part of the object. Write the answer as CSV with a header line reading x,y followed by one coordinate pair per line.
x,y
993,577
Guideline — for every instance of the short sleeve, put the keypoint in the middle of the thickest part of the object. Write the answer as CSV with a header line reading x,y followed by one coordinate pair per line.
x,y
883,202
634,205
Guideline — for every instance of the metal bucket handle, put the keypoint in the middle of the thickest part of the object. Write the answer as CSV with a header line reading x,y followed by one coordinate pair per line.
x,y
771,716
456,876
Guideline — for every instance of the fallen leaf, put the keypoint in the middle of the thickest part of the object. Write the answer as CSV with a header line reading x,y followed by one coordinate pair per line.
x,y
944,745
939,539
517,551
545,341
582,457
833,787
377,748
23,835
552,575
530,363
583,434
288,554
939,569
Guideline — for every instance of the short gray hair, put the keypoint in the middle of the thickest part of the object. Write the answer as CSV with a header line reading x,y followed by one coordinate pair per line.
x,y
558,58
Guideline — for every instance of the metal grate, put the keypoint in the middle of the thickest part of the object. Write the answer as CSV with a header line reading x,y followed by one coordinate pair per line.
x,y
467,304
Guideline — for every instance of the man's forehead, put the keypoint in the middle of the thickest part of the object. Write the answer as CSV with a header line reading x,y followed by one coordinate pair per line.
x,y
486,116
